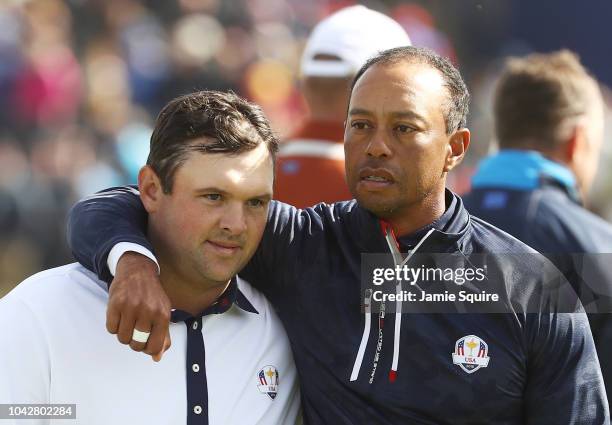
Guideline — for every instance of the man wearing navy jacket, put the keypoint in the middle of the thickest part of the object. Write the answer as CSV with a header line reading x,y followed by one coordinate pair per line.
x,y
405,130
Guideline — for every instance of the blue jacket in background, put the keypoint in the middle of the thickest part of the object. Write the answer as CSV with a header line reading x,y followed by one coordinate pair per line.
x,y
536,200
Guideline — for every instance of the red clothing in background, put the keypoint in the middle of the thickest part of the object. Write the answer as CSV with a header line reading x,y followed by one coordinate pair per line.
x,y
310,166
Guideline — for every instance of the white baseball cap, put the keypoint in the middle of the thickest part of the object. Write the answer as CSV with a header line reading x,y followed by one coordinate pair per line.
x,y
353,35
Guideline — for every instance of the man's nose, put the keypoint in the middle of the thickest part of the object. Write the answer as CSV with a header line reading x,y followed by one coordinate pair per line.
x,y
378,145
233,220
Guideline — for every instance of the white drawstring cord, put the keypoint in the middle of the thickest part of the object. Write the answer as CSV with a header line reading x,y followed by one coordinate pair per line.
x,y
398,305
397,259
364,337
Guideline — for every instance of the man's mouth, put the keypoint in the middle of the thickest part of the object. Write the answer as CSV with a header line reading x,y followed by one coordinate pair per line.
x,y
375,178
224,248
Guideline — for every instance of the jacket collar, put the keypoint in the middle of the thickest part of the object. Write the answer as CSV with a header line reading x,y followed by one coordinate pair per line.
x,y
521,170
449,229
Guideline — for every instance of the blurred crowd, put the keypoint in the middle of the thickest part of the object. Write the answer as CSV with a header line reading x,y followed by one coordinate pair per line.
x,y
81,82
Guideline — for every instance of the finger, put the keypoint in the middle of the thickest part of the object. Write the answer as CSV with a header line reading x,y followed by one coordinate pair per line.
x,y
126,328
113,317
156,341
142,326
167,343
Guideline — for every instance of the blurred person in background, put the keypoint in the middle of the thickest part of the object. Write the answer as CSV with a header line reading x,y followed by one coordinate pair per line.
x,y
549,122
311,163
41,85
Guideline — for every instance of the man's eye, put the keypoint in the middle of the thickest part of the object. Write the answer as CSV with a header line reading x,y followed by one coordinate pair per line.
x,y
212,196
402,128
359,125
255,203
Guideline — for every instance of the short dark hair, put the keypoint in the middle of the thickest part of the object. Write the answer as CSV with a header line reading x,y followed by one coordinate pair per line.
x,y
459,97
536,96
230,123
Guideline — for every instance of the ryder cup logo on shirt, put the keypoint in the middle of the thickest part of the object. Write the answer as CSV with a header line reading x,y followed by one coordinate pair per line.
x,y
268,381
471,353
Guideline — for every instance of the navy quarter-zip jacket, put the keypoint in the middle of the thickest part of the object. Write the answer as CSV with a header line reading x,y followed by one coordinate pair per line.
x,y
542,367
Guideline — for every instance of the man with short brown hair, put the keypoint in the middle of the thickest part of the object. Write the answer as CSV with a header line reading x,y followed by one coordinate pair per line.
x,y
549,103
205,191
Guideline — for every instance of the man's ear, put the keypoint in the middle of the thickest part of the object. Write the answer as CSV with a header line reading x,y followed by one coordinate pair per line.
x,y
458,144
150,189
574,145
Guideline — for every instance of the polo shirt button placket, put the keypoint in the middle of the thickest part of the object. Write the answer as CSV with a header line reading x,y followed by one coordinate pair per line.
x,y
197,388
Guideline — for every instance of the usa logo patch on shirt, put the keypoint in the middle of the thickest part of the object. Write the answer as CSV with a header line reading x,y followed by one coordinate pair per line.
x,y
268,381
471,353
